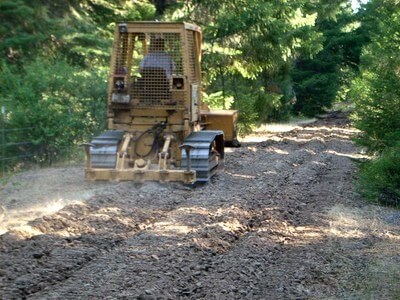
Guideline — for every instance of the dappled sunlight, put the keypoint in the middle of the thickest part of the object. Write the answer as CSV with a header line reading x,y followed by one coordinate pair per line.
x,y
192,215
270,173
241,175
231,225
284,127
296,235
171,228
323,132
276,128
108,209
280,217
253,138
347,222
277,151
268,131
312,152
349,155
193,209
219,229
346,231
307,234
306,134
348,131
229,150
175,227
206,227
252,149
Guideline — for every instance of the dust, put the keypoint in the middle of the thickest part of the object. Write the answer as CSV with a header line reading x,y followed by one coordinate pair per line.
x,y
283,221
36,193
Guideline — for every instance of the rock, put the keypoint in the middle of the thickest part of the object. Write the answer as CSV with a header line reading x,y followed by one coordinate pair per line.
x,y
38,255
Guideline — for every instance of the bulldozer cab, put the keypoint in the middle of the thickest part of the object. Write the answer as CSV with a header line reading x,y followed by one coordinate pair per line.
x,y
157,65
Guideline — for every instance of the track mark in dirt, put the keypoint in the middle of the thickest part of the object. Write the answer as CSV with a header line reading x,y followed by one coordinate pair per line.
x,y
73,238
282,222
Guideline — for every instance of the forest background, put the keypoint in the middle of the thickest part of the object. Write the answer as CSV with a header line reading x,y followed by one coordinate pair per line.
x,y
272,60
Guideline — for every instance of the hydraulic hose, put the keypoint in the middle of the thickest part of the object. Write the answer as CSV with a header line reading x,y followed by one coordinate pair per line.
x,y
156,131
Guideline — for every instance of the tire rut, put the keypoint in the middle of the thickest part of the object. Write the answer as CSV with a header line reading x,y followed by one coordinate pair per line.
x,y
72,239
197,240
257,230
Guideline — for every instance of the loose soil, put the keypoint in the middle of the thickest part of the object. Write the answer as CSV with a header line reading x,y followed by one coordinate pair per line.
x,y
283,221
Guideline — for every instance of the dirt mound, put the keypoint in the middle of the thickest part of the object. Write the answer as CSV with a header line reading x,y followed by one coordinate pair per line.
x,y
281,222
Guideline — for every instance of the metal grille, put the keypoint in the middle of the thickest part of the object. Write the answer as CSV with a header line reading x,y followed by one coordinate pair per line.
x,y
121,64
147,67
192,60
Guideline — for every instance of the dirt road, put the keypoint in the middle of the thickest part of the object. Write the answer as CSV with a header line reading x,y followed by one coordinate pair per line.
x,y
282,222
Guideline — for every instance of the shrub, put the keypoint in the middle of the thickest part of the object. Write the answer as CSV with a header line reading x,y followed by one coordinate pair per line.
x,y
380,179
217,100
377,111
63,105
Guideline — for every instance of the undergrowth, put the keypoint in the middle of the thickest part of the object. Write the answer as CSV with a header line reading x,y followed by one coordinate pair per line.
x,y
379,180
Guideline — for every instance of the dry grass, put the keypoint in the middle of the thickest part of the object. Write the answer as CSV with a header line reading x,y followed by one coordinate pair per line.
x,y
380,275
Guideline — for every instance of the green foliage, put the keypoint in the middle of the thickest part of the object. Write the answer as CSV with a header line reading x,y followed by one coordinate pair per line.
x,y
258,55
321,80
20,31
380,178
79,30
314,91
259,41
53,70
268,106
245,92
377,109
217,100
376,92
63,104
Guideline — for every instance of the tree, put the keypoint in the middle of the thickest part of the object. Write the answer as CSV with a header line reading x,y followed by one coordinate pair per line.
x,y
376,93
319,80
82,31
258,40
54,66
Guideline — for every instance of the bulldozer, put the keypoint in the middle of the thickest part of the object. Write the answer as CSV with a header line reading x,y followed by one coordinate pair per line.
x,y
159,129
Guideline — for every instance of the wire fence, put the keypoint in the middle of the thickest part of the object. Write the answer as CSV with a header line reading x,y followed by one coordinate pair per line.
x,y
13,150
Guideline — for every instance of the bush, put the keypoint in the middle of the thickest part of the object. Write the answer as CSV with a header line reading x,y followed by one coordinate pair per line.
x,y
64,105
380,179
268,106
247,115
377,110
217,100
376,92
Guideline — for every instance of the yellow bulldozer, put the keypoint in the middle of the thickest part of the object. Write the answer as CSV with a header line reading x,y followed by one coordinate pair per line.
x,y
158,127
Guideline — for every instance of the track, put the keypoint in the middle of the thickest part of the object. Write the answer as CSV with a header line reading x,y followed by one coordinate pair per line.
x,y
104,150
202,159
105,146
270,227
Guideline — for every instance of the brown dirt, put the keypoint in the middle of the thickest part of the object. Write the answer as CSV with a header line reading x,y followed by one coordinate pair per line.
x,y
282,221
